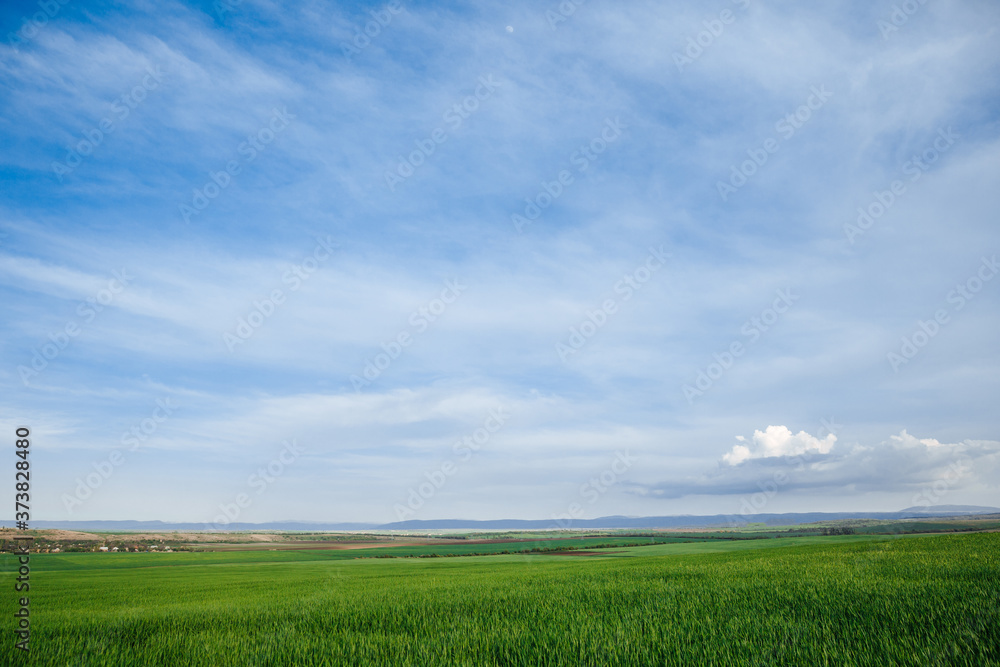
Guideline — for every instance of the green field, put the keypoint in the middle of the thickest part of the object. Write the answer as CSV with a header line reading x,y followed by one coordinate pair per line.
x,y
806,600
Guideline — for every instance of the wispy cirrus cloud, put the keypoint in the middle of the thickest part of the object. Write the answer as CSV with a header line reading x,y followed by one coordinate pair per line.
x,y
324,176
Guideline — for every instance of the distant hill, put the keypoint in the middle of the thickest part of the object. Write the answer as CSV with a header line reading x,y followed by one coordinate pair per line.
x,y
152,526
607,522
687,521
952,510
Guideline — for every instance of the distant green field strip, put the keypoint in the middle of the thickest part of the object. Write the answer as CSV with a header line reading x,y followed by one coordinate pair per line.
x,y
719,546
90,560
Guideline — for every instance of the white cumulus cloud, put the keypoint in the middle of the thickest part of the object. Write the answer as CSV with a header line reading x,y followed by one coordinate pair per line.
x,y
778,441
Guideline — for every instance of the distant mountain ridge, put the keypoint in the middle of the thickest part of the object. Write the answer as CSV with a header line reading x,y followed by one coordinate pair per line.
x,y
953,509
607,522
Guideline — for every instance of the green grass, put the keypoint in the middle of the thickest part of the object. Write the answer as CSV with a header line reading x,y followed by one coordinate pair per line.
x,y
834,600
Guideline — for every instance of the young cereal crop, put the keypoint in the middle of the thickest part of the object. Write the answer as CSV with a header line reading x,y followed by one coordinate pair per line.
x,y
828,601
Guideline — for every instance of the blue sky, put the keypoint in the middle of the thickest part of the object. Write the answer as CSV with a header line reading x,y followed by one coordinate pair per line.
x,y
483,262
